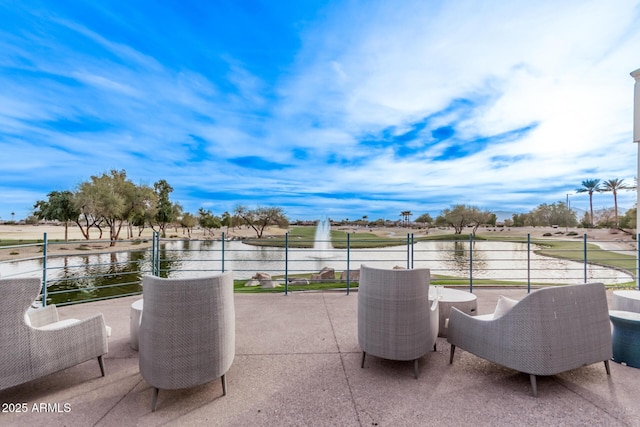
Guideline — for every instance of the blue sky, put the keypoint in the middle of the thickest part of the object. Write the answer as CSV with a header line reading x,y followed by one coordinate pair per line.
x,y
324,108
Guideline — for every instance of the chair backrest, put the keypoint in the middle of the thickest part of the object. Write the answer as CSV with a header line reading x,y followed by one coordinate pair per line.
x,y
187,330
559,328
17,296
393,313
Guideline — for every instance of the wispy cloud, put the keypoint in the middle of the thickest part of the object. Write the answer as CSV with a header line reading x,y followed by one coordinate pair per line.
x,y
349,108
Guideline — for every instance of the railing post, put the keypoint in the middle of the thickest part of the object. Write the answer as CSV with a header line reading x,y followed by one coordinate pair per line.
x,y
408,251
412,250
222,254
156,261
470,262
286,264
44,269
528,263
158,253
348,263
153,253
585,257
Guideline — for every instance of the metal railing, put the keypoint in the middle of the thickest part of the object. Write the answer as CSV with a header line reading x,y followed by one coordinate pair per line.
x,y
93,270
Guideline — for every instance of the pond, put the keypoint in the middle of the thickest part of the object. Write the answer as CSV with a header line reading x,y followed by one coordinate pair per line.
x,y
97,275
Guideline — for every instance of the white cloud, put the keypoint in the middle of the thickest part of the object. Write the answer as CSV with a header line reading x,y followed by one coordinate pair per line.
x,y
106,83
363,68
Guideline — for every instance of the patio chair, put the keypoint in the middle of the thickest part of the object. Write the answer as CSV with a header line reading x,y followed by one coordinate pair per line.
x,y
549,331
187,331
395,319
36,343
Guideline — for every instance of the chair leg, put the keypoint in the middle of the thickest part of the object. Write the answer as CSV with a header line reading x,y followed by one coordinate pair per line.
x,y
415,368
606,366
434,347
363,355
154,399
534,385
101,363
453,350
224,385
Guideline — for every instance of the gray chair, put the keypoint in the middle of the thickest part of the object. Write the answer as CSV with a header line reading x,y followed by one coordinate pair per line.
x,y
549,331
37,344
395,319
187,331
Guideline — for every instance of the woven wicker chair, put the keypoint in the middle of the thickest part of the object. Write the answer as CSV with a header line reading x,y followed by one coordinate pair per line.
x,y
35,345
551,330
187,331
395,319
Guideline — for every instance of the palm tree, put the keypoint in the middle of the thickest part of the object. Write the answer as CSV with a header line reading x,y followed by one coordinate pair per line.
x,y
590,186
614,185
405,215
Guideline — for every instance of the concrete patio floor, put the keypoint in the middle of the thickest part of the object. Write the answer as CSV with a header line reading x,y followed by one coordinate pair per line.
x,y
297,363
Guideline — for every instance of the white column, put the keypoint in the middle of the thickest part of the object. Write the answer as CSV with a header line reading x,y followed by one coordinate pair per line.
x,y
636,138
636,106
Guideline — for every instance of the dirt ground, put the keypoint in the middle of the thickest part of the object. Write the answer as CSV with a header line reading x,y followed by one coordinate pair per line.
x,y
56,232
21,232
594,235
607,239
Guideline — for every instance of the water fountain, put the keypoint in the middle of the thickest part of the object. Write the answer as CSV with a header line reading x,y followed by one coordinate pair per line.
x,y
322,241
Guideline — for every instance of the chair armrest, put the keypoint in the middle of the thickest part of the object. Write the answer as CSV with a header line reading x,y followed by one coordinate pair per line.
x,y
518,344
481,336
88,337
434,311
434,319
58,325
434,306
43,316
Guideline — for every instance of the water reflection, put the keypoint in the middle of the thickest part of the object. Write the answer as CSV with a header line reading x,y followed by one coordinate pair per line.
x,y
459,255
95,276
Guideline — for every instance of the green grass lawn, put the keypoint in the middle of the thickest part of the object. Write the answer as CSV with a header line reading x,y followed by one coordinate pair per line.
x,y
7,242
595,255
435,281
304,237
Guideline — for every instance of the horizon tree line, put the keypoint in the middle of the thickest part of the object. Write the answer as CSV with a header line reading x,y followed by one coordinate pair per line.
x,y
111,200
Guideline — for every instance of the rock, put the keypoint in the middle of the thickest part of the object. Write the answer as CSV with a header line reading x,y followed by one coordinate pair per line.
x,y
325,275
252,283
269,284
399,267
298,281
265,280
354,276
261,276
